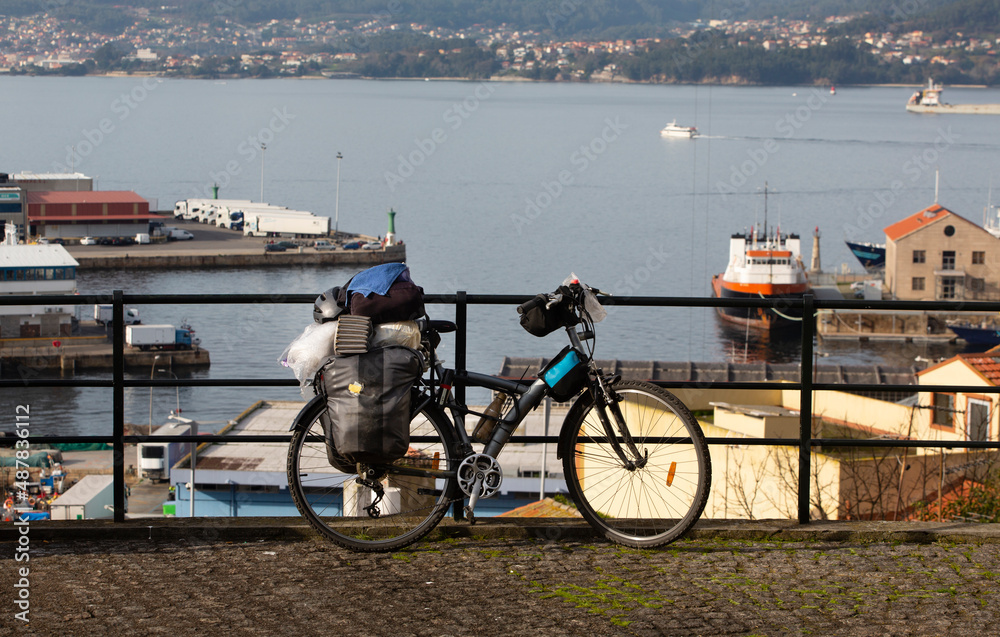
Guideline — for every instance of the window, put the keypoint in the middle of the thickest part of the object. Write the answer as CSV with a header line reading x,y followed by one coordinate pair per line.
x,y
977,423
919,256
948,287
977,285
918,283
944,410
948,260
978,258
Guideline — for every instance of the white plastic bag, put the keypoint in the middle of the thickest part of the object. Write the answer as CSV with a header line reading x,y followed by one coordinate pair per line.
x,y
404,333
307,352
590,302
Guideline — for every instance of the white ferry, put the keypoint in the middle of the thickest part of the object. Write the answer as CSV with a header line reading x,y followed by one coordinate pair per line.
x,y
673,130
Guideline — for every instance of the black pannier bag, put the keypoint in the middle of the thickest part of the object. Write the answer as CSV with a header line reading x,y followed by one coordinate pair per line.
x,y
368,403
542,321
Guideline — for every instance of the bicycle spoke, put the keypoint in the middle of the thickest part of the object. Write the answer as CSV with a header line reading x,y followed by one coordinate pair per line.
x,y
654,501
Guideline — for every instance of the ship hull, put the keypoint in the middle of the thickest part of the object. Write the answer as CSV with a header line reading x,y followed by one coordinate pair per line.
x,y
758,318
977,335
872,257
956,109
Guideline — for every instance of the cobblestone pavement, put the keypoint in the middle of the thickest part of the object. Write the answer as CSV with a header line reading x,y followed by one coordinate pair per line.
x,y
479,586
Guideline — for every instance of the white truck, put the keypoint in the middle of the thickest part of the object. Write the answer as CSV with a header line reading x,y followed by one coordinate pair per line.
x,y
167,337
156,458
104,313
187,208
285,222
232,216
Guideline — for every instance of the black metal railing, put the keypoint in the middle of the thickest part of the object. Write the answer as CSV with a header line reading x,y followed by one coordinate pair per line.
x,y
461,300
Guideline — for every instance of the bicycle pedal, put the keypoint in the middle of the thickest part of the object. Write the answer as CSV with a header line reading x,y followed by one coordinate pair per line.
x,y
470,515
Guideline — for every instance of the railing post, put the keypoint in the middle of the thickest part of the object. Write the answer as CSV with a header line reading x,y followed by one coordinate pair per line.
x,y
805,406
462,321
461,335
118,403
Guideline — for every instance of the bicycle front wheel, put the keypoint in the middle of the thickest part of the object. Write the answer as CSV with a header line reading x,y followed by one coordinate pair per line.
x,y
327,492
658,497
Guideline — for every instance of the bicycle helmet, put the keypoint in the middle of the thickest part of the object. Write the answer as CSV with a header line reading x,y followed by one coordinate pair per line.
x,y
326,307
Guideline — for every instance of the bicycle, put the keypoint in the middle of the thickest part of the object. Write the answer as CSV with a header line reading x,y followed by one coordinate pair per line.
x,y
635,460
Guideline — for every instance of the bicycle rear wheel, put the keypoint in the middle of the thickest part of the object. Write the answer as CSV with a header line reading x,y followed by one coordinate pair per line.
x,y
648,505
327,492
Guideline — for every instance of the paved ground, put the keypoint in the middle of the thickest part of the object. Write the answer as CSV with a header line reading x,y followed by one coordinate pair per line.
x,y
208,240
835,580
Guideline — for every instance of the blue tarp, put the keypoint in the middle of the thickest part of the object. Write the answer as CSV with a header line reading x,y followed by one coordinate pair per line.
x,y
34,515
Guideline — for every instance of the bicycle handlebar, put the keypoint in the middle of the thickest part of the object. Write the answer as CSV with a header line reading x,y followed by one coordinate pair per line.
x,y
535,301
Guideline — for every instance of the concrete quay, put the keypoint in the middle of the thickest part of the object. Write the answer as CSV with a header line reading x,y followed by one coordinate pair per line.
x,y
515,577
214,247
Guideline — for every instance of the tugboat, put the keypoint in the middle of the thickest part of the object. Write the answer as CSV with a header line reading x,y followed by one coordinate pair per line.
x,y
762,266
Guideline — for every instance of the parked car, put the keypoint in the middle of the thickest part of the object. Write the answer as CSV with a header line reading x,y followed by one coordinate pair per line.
x,y
372,245
88,241
288,245
177,234
274,247
324,245
353,245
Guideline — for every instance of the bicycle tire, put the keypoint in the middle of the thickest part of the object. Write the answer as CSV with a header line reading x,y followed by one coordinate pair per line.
x,y
333,502
642,507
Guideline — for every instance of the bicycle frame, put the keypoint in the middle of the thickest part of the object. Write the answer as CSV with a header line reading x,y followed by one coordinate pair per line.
x,y
527,396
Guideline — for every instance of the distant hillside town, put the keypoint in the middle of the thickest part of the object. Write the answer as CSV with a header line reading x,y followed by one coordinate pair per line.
x,y
772,51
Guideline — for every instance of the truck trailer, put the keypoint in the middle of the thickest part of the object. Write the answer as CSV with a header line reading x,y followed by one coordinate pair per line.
x,y
232,216
166,337
156,458
104,313
91,498
290,222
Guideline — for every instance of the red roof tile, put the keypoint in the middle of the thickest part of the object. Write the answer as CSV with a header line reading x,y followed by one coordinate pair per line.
x,y
86,196
916,221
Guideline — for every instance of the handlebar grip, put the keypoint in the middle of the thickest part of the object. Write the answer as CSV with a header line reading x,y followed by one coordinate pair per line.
x,y
538,299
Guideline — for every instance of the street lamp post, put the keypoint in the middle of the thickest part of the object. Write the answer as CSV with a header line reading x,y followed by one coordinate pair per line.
x,y
152,370
336,213
177,388
263,147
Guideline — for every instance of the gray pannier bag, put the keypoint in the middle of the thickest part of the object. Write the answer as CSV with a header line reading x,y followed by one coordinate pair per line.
x,y
368,404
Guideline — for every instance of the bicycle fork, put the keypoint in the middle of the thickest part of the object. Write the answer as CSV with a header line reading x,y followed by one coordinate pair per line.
x,y
606,399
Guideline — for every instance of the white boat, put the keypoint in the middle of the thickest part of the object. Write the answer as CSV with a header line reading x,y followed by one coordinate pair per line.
x,y
762,265
673,130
